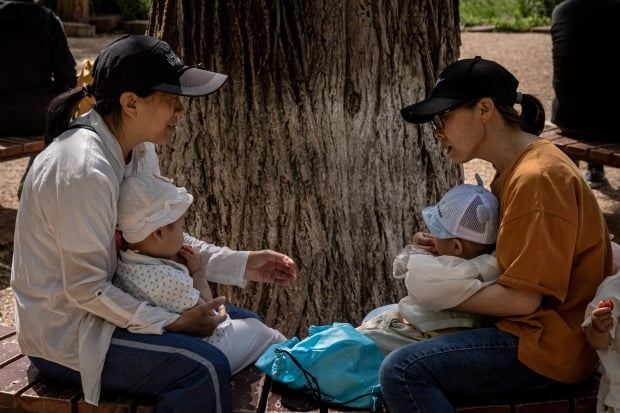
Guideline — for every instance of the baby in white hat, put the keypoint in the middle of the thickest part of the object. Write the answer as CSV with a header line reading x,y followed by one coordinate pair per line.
x,y
463,225
151,218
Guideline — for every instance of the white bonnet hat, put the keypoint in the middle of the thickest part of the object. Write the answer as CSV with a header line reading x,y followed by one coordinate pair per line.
x,y
466,211
148,202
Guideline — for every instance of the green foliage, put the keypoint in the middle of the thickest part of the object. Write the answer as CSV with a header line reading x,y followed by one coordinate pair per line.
x,y
129,9
506,15
134,9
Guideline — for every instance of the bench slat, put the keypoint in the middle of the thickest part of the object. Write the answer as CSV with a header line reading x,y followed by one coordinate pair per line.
x,y
108,404
50,397
6,331
9,349
586,404
19,147
606,153
14,379
556,406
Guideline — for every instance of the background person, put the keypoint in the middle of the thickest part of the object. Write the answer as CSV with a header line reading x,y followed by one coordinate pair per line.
x,y
36,66
553,251
71,321
585,79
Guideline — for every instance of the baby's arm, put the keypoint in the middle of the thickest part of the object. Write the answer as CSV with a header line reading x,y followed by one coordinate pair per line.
x,y
597,333
193,261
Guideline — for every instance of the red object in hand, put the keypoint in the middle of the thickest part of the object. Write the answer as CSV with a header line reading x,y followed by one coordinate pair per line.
x,y
606,303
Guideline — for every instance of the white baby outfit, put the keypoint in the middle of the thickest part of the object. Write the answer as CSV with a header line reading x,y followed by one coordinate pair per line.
x,y
168,284
609,387
437,283
434,284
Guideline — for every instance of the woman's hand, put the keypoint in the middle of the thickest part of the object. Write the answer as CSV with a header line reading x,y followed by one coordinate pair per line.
x,y
270,266
200,320
425,241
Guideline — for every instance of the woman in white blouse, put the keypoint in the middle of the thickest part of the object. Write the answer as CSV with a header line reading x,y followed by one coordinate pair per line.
x,y
72,322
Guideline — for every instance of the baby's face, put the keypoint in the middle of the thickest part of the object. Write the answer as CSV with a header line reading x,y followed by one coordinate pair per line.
x,y
173,236
445,246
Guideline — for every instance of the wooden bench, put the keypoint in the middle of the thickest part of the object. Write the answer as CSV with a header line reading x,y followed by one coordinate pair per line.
x,y
606,153
20,147
22,389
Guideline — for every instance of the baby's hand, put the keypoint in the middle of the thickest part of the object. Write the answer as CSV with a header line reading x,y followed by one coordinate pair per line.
x,y
193,259
425,241
602,319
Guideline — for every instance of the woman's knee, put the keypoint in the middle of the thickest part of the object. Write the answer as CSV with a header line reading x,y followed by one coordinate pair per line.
x,y
151,363
394,365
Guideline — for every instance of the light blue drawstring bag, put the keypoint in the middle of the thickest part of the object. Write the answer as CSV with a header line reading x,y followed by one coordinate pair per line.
x,y
335,365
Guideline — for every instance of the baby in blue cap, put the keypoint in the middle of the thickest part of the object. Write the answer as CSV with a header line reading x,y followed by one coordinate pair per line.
x,y
463,228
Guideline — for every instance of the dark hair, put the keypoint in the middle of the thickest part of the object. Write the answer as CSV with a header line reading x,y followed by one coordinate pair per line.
x,y
532,116
61,110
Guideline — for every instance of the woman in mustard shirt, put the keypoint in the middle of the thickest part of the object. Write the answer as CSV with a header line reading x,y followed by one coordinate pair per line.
x,y
553,251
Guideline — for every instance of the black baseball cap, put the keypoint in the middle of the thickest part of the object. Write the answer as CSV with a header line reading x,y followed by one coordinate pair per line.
x,y
136,63
462,81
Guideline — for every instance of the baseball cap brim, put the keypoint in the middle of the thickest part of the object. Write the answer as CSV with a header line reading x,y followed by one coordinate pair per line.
x,y
435,228
424,111
193,82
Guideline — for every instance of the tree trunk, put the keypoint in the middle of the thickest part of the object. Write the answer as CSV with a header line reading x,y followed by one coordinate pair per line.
x,y
304,150
73,10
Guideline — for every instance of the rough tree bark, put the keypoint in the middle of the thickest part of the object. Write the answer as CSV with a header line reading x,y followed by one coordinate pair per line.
x,y
303,150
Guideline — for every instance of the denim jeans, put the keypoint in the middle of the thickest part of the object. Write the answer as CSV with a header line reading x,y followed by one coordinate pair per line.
x,y
237,313
186,374
428,376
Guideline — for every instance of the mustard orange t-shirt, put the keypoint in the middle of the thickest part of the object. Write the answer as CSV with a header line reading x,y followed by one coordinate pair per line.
x,y
552,239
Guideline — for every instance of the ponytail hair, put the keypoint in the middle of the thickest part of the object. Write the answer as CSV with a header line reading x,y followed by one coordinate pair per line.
x,y
60,112
532,116
63,108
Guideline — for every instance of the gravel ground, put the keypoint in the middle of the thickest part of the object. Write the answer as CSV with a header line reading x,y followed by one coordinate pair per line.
x,y
527,55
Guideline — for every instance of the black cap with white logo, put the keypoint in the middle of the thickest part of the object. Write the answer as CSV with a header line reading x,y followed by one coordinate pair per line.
x,y
137,63
462,81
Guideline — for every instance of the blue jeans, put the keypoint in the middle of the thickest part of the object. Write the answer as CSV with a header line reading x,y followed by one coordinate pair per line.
x,y
186,374
428,376
237,313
